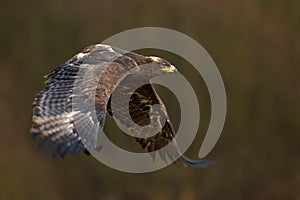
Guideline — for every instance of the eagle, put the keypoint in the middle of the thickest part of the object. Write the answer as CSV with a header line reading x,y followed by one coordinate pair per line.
x,y
108,71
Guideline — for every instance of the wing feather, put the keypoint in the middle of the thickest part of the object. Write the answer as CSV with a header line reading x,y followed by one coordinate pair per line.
x,y
55,121
140,106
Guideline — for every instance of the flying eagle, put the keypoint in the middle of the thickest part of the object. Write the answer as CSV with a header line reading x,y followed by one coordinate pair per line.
x,y
107,70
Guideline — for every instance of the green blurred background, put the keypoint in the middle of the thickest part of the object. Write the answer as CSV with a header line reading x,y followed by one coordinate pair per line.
x,y
256,47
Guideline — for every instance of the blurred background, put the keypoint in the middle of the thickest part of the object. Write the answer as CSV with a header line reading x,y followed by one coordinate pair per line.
x,y
256,47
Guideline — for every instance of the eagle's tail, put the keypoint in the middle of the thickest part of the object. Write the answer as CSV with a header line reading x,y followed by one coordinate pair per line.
x,y
188,161
197,163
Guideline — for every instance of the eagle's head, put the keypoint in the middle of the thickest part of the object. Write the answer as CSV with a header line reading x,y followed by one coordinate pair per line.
x,y
156,66
164,65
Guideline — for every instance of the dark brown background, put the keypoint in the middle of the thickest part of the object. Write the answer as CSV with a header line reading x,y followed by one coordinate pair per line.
x,y
256,47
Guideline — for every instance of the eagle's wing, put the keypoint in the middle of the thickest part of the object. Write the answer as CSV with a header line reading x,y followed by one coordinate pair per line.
x,y
144,108
136,113
56,116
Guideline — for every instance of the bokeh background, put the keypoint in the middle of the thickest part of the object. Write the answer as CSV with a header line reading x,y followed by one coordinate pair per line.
x,y
256,47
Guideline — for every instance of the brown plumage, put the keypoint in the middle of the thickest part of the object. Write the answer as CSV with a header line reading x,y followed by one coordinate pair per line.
x,y
94,76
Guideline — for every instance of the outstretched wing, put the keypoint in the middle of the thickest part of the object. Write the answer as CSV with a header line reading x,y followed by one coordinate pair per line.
x,y
136,112
88,77
148,112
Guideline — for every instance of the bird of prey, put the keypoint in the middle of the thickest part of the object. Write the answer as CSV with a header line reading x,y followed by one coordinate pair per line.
x,y
106,70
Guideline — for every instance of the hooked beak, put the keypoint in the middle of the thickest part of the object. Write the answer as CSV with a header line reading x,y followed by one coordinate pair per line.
x,y
170,69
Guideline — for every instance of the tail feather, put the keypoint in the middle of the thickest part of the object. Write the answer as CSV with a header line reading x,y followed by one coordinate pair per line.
x,y
197,163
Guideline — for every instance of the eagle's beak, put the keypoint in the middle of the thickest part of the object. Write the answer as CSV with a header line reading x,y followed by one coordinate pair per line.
x,y
170,69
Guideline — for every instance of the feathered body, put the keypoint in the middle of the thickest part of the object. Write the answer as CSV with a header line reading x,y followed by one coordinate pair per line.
x,y
93,76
